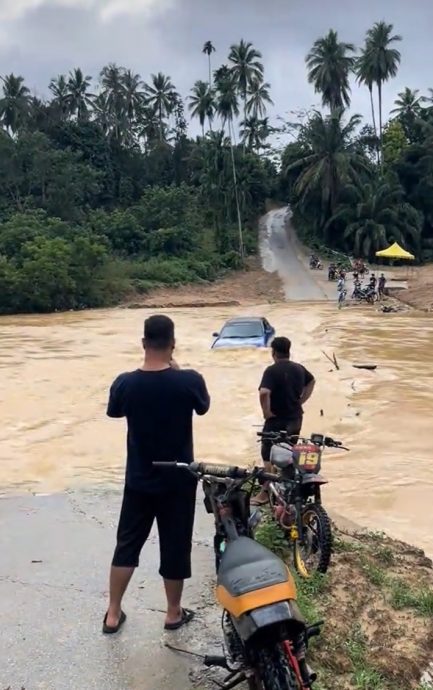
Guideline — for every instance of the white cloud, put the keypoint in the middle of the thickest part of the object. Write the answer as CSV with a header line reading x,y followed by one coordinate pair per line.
x,y
113,8
106,9
16,9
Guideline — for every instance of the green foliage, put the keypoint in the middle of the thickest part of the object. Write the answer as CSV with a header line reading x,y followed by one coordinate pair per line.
x,y
394,141
421,600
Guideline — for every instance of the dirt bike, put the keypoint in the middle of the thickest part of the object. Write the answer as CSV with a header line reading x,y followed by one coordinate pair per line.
x,y
316,264
296,501
368,293
265,635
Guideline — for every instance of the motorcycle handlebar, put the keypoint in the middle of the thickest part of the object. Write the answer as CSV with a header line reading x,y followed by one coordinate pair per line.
x,y
283,436
222,471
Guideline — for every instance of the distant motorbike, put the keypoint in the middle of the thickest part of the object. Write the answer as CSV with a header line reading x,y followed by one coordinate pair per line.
x,y
367,294
316,264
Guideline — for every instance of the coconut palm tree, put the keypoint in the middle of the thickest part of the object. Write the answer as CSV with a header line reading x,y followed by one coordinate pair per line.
x,y
14,103
329,65
102,113
408,103
365,75
382,61
202,103
330,160
208,49
373,216
246,68
80,100
254,132
258,92
61,96
133,93
227,107
160,96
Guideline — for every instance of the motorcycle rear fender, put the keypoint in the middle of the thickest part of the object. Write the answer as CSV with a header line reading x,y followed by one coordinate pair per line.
x,y
278,621
314,479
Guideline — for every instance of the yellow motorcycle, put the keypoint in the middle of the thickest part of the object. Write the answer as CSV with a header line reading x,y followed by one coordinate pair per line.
x,y
265,635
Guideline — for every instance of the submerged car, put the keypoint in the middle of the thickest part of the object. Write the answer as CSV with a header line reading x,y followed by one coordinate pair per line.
x,y
249,331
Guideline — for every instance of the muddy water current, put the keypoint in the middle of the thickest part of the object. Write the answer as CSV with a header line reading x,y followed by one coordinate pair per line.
x,y
55,372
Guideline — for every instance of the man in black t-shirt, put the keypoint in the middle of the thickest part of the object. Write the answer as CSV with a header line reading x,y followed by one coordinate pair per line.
x,y
158,401
284,388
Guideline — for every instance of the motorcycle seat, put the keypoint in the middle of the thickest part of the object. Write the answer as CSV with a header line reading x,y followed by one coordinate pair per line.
x,y
247,566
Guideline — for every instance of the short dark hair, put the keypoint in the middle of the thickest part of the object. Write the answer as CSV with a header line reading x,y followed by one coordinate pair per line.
x,y
281,347
158,332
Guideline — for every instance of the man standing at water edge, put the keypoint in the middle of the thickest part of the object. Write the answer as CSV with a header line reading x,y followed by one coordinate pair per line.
x,y
158,401
284,388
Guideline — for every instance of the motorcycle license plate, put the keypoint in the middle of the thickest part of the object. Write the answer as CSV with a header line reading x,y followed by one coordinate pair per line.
x,y
308,457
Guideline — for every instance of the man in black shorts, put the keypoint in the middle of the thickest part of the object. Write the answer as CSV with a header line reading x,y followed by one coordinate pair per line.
x,y
284,388
158,401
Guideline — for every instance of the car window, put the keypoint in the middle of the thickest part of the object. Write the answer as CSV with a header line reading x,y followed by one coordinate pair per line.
x,y
247,329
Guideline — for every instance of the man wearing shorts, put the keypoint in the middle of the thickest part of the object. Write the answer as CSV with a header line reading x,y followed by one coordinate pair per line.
x,y
284,388
158,401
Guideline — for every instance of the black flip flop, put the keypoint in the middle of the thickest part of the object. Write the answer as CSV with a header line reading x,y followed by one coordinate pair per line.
x,y
187,617
111,630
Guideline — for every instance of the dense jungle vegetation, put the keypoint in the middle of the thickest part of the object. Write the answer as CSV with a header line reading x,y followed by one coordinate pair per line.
x,y
103,192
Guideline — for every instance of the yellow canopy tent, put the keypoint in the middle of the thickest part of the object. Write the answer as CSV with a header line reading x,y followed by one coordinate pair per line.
x,y
395,252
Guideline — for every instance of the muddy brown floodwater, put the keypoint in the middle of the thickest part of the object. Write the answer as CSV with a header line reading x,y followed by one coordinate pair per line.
x,y
56,370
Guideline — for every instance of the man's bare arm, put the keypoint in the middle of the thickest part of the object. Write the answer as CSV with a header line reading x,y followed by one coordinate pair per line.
x,y
308,391
265,402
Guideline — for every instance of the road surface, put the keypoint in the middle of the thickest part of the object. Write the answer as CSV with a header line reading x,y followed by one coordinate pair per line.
x,y
55,552
281,252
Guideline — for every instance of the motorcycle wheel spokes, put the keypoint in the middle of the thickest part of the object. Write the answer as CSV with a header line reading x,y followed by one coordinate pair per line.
x,y
315,551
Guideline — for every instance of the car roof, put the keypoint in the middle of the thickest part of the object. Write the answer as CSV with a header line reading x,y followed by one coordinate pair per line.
x,y
243,319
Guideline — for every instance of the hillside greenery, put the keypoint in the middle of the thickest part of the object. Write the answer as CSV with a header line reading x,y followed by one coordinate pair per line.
x,y
104,194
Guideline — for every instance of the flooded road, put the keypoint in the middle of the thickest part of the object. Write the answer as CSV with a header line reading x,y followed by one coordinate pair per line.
x,y
56,371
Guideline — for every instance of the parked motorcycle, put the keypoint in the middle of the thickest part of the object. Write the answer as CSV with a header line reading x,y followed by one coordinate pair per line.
x,y
316,264
367,293
265,635
296,501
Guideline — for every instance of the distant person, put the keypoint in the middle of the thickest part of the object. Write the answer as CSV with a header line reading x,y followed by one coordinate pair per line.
x,y
284,388
341,283
362,270
373,282
382,285
158,401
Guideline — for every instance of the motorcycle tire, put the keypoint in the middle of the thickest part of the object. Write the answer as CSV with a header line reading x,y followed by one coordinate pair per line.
x,y
323,537
274,671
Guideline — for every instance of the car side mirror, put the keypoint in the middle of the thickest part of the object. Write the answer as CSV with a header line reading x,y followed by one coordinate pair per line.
x,y
215,335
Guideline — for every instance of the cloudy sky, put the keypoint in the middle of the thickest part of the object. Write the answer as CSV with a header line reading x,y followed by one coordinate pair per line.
x,y
42,38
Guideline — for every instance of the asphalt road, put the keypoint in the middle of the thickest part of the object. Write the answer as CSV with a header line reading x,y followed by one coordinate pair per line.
x,y
55,553
281,252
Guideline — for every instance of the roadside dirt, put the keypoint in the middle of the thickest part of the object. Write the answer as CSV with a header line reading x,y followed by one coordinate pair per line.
x,y
420,289
377,603
251,286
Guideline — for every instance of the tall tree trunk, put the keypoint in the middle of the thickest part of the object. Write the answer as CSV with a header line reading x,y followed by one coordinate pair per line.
x,y
160,122
245,117
379,89
210,71
235,183
202,129
373,115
